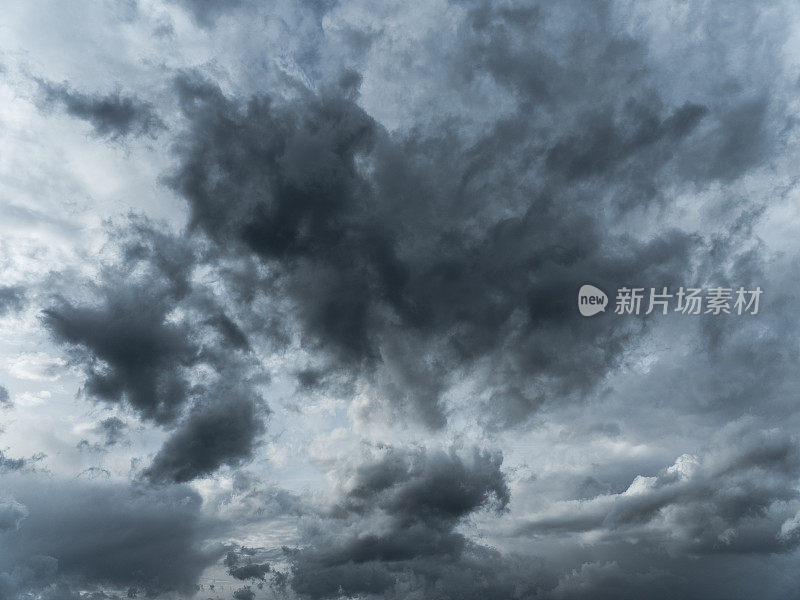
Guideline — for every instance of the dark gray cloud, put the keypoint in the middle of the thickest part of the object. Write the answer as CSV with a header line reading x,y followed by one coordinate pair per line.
x,y
408,258
86,535
245,568
398,515
244,593
133,352
129,348
435,487
605,144
222,429
705,526
740,497
287,188
702,527
113,115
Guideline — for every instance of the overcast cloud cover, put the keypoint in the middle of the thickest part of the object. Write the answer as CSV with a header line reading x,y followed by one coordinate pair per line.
x,y
288,300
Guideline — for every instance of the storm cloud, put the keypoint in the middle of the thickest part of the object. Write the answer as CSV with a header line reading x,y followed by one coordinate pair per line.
x,y
133,353
89,535
305,299
220,432
461,289
398,515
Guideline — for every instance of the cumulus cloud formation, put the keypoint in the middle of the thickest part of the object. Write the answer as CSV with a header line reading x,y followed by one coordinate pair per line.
x,y
410,258
737,498
134,351
461,289
397,519
138,355
307,327
222,432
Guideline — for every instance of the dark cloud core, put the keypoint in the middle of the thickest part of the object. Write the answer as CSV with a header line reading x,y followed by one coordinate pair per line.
x,y
363,256
424,496
134,352
221,433
114,535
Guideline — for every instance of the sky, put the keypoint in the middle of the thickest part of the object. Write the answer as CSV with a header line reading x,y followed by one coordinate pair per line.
x,y
290,308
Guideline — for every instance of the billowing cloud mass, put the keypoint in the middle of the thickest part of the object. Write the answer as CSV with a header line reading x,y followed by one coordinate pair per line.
x,y
222,432
138,354
76,535
288,300
133,350
739,498
397,520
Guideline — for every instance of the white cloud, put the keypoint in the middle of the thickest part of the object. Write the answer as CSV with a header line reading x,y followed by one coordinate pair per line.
x,y
36,366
